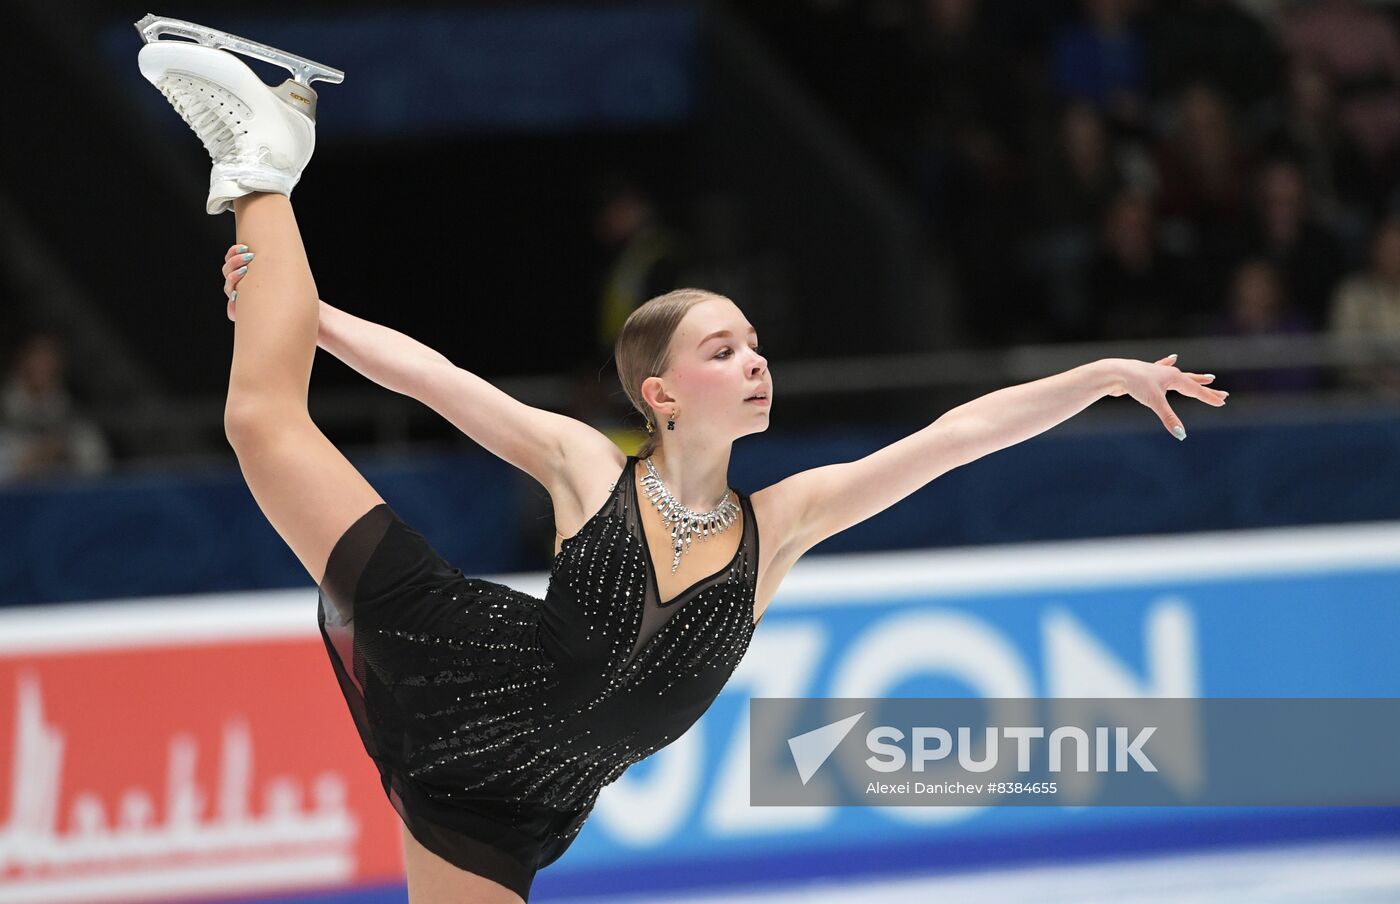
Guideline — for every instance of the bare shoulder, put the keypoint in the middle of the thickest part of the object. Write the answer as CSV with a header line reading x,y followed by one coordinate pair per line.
x,y
581,483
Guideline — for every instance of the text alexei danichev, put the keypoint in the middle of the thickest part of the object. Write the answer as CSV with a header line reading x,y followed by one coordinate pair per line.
x,y
960,788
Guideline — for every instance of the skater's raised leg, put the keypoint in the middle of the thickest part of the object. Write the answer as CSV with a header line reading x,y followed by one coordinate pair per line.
x,y
307,489
259,139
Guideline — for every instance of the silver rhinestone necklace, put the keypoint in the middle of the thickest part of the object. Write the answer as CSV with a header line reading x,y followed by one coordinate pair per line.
x,y
686,523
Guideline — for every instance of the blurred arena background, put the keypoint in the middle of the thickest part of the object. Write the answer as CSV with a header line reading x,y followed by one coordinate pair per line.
x,y
915,203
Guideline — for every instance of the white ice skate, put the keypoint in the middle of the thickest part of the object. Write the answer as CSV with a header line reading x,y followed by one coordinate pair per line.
x,y
259,138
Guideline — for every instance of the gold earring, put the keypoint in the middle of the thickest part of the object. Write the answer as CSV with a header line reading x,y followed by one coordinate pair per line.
x,y
671,421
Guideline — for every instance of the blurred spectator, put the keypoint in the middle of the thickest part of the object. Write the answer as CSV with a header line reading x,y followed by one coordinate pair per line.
x,y
1203,164
1204,170
967,162
40,433
1120,168
961,76
1079,175
1358,51
1101,60
640,257
1135,285
1257,305
1284,231
644,255
1331,161
963,131
1367,304
1212,41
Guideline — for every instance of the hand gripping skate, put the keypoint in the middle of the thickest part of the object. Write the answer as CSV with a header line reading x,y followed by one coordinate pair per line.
x,y
259,138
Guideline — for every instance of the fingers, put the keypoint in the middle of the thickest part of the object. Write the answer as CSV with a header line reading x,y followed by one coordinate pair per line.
x,y
231,281
1170,361
1169,419
1193,386
236,267
1214,397
1196,387
236,261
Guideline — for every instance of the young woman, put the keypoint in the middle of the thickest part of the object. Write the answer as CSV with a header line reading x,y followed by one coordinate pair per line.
x,y
493,717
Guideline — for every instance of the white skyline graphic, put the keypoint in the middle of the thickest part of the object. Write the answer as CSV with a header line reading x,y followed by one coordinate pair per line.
x,y
129,854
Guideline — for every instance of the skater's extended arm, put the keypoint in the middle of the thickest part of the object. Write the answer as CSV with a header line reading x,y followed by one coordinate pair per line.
x,y
386,356
832,498
527,437
530,438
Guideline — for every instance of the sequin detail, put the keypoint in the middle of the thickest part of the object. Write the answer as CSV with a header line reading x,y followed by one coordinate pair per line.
x,y
496,717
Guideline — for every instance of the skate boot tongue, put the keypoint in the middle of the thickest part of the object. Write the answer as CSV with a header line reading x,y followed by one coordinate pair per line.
x,y
207,108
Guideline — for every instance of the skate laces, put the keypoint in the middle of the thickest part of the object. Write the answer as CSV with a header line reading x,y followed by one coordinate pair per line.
x,y
213,123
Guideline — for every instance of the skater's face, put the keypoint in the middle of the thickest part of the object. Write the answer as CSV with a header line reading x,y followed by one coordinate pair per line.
x,y
711,375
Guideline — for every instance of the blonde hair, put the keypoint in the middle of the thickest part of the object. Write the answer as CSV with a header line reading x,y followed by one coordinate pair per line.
x,y
643,348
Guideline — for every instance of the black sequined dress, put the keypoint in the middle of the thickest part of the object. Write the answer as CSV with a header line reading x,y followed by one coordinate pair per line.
x,y
495,717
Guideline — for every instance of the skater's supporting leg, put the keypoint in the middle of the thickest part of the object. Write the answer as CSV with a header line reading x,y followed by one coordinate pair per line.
x,y
432,879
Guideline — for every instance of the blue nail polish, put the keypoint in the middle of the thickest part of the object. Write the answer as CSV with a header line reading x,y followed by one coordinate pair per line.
x,y
242,248
242,269
235,294
1179,432
248,256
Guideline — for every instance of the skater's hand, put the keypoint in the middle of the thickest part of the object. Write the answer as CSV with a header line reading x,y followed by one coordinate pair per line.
x,y
237,259
1148,383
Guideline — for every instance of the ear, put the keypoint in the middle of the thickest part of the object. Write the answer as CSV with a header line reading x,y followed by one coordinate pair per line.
x,y
654,392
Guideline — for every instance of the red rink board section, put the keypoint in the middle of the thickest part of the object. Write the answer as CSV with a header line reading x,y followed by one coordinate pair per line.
x,y
175,752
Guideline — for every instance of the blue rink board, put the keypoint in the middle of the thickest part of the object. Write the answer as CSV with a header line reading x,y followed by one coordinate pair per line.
x,y
778,874
1318,632
1323,633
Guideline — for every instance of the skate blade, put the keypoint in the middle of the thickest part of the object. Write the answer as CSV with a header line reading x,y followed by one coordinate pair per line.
x,y
303,71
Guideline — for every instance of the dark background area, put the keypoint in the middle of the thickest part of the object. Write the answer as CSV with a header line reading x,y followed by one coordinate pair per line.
x,y
864,177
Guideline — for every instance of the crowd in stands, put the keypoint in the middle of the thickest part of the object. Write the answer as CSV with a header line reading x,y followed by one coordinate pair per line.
x,y
1125,169
42,432
1088,170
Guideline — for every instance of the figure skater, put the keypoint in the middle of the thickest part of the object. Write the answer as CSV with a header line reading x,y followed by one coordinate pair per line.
x,y
494,718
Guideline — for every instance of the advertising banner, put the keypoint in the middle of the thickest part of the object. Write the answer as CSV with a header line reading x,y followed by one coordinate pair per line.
x,y
192,748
